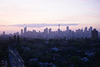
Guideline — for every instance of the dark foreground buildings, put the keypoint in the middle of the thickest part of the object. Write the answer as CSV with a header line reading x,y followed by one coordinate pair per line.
x,y
94,34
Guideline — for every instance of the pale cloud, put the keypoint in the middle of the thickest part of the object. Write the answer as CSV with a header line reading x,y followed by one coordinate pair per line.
x,y
49,11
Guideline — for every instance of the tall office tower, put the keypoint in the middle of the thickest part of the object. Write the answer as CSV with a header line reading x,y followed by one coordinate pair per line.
x,y
25,29
21,32
82,30
94,34
34,31
46,31
67,32
90,29
67,28
50,30
85,30
89,32
3,33
17,33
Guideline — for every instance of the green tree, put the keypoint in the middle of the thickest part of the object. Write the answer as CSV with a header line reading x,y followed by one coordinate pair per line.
x,y
76,61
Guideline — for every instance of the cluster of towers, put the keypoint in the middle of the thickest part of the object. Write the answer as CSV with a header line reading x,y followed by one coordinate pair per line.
x,y
49,34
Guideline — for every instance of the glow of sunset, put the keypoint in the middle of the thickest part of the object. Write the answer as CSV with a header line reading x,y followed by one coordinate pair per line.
x,y
49,11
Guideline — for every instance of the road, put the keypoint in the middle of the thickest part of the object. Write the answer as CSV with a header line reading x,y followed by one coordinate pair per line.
x,y
14,58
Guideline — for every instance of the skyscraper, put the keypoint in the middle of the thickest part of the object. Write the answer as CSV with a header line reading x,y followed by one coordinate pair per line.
x,y
50,30
67,28
46,31
3,33
94,34
85,30
90,29
25,29
21,32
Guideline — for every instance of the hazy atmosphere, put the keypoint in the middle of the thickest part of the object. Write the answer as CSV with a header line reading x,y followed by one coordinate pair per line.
x,y
49,33
81,12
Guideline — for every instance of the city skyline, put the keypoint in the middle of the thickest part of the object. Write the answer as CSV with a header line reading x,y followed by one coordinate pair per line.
x,y
48,33
10,29
81,12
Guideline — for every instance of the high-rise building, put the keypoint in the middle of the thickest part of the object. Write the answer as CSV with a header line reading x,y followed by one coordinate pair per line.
x,y
25,29
17,33
34,31
50,30
67,28
21,31
3,33
85,30
46,31
94,34
90,29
